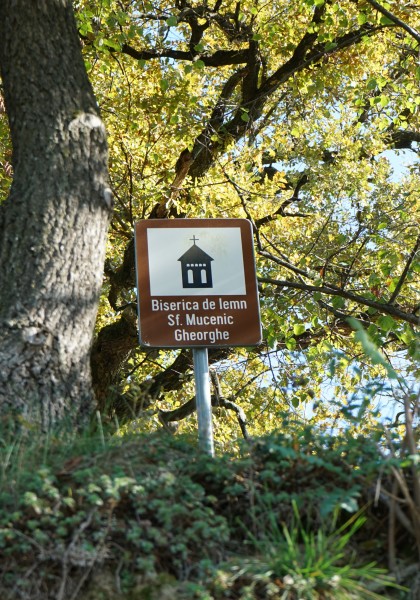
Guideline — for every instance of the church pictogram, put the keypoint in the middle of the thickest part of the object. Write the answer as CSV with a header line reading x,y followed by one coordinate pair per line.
x,y
196,267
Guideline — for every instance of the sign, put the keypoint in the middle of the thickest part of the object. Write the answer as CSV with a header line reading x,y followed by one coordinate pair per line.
x,y
196,283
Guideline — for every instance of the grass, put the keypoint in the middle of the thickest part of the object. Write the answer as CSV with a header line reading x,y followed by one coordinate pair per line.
x,y
317,564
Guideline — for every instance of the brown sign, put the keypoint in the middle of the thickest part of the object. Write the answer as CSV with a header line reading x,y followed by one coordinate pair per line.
x,y
196,283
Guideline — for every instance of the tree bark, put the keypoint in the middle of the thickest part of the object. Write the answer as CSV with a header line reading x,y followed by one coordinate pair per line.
x,y
53,224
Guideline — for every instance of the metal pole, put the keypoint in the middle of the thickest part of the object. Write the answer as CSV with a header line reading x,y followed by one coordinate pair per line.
x,y
203,400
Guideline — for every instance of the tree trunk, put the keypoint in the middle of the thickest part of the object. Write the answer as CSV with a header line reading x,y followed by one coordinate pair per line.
x,y
53,224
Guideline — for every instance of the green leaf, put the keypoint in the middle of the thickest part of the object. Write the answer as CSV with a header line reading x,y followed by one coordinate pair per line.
x,y
338,302
330,46
361,18
295,401
386,21
164,84
298,329
393,284
374,279
172,21
272,341
112,44
386,323
245,117
370,348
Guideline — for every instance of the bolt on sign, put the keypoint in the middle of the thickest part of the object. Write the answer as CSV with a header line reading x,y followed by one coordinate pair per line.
x,y
196,283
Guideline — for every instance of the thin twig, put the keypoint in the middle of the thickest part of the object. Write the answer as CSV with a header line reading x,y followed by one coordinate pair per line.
x,y
412,447
405,272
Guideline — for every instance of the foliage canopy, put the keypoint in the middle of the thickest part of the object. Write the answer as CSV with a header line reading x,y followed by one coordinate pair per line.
x,y
298,116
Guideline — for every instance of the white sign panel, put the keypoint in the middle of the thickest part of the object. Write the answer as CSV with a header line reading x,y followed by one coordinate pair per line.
x,y
196,261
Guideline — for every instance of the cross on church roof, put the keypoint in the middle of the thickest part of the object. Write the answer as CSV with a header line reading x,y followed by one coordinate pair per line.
x,y
194,239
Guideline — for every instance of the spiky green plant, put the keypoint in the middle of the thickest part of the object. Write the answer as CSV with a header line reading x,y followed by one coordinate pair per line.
x,y
311,565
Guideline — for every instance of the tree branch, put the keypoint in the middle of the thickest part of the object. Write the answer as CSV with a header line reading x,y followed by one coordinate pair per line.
x,y
410,30
229,404
298,63
205,148
403,138
187,409
236,128
335,291
281,210
405,272
220,58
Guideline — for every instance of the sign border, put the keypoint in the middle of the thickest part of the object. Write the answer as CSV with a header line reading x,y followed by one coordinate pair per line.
x,y
143,274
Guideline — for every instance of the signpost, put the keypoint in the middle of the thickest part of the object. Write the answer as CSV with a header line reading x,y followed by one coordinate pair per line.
x,y
197,289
